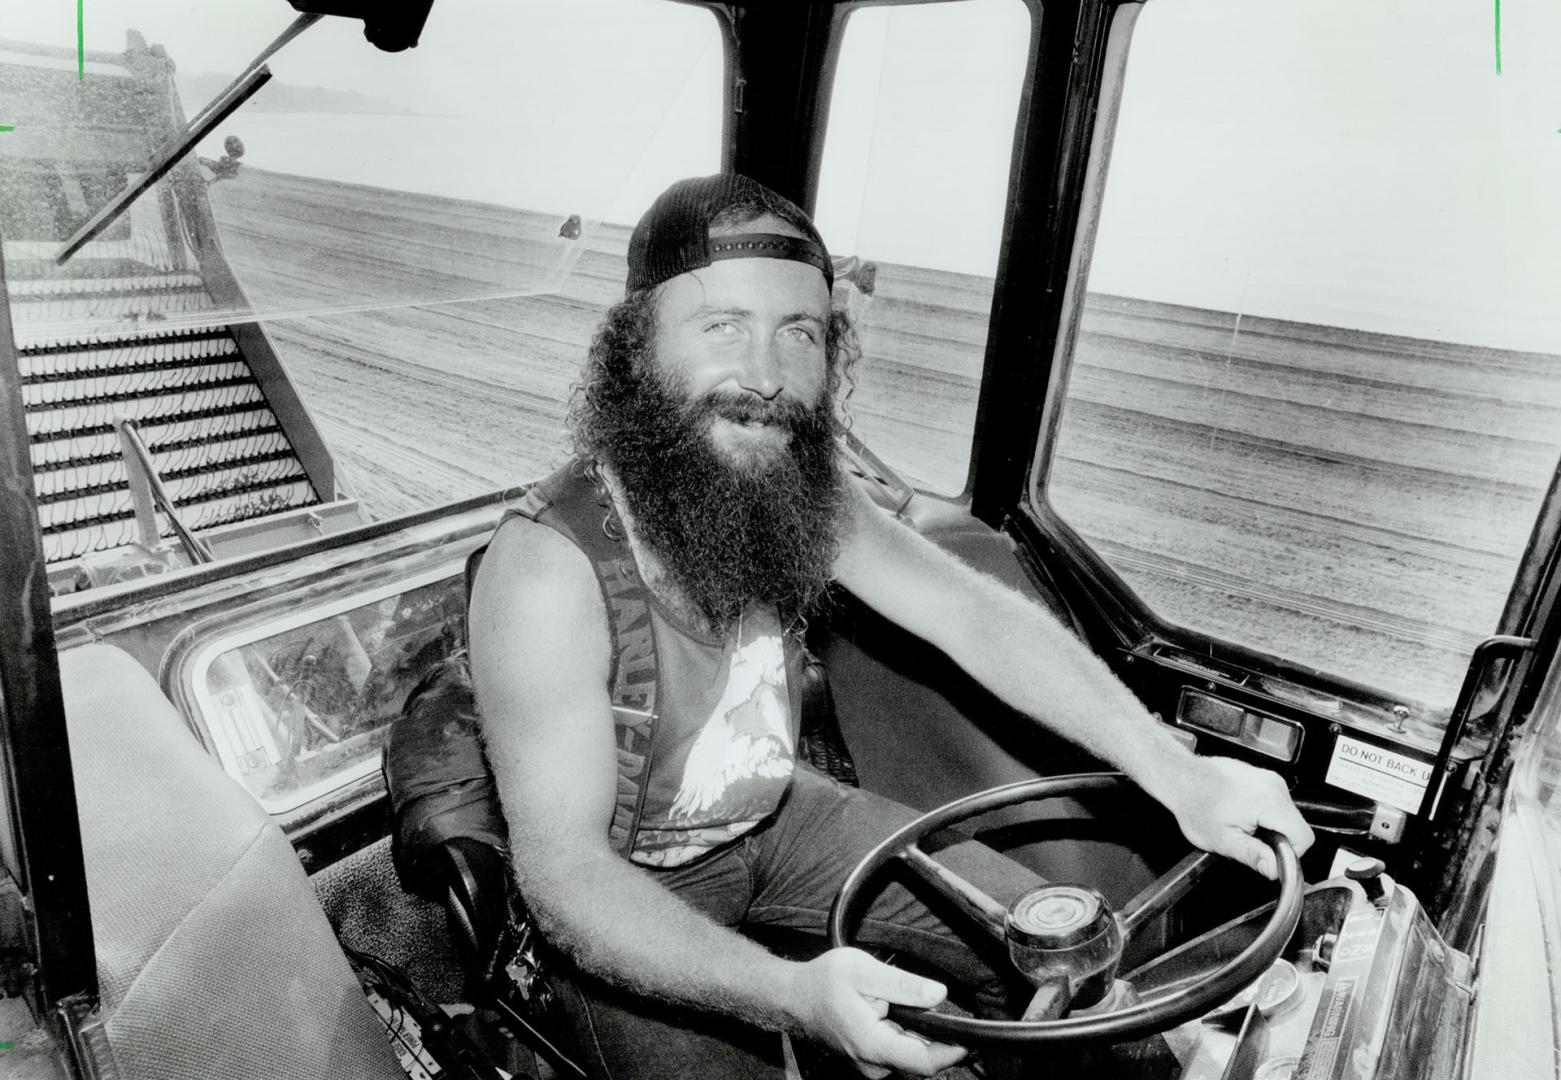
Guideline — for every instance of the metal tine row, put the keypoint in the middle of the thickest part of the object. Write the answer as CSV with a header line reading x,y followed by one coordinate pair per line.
x,y
147,244
255,504
74,543
108,505
71,336
151,410
192,491
118,529
107,472
147,355
132,307
208,455
56,482
165,435
28,289
202,487
122,385
200,430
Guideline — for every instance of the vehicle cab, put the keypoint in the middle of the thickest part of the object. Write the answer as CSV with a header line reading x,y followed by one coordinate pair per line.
x,y
1228,334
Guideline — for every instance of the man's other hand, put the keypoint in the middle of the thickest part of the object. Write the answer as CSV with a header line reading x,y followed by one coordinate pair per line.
x,y
1219,802
843,998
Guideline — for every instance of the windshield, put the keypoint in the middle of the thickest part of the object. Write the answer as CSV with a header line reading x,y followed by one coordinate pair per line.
x,y
1315,391
373,245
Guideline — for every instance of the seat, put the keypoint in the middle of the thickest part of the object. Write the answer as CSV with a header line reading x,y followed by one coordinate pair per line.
x,y
449,844
214,958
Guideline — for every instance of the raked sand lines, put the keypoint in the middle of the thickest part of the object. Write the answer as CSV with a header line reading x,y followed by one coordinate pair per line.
x,y
1357,500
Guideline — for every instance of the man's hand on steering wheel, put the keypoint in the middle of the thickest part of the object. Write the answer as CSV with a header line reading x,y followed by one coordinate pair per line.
x,y
1208,794
1219,802
843,997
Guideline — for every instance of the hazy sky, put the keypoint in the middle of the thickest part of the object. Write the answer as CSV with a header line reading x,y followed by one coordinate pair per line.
x,y
1365,165
1331,160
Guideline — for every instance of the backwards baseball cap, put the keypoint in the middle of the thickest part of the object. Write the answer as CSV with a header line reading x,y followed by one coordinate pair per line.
x,y
674,235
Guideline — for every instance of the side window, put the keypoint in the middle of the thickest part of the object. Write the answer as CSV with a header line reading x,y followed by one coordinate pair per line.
x,y
1314,401
914,180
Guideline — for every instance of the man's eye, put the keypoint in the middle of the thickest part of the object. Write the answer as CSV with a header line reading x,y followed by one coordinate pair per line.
x,y
721,328
801,333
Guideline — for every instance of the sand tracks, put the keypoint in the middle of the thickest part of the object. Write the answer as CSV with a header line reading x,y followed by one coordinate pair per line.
x,y
1351,500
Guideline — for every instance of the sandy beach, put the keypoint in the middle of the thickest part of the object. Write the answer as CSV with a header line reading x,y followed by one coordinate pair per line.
x,y
1351,498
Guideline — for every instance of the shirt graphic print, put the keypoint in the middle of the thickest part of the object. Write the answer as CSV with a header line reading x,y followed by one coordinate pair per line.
x,y
737,764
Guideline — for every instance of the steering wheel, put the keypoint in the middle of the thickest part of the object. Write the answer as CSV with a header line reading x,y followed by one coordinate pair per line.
x,y
1071,922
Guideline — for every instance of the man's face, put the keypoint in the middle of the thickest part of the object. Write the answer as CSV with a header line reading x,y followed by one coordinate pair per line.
x,y
749,336
718,422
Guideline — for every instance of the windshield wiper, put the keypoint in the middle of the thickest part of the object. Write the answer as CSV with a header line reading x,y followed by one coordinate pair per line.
x,y
167,159
254,76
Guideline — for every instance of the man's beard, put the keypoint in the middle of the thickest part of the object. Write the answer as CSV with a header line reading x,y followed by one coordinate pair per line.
x,y
757,525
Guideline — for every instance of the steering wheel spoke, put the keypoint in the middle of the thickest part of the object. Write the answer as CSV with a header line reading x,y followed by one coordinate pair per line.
x,y
987,913
1164,891
1050,1001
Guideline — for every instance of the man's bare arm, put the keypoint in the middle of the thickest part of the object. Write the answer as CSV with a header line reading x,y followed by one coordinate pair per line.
x,y
1018,650
539,646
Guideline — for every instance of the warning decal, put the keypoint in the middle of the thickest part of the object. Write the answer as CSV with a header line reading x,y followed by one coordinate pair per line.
x,y
1385,776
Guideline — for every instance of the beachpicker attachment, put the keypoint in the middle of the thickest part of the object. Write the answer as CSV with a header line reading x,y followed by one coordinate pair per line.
x,y
122,304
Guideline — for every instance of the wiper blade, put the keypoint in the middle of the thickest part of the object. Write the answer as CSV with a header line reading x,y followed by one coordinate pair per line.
x,y
167,159
254,76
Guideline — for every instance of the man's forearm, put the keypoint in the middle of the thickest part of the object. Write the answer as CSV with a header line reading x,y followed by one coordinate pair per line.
x,y
1040,668
1021,653
614,921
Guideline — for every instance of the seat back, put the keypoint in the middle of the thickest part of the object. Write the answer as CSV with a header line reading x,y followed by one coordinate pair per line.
x,y
214,958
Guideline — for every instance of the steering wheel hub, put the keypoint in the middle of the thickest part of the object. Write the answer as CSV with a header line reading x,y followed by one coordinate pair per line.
x,y
1057,917
1067,934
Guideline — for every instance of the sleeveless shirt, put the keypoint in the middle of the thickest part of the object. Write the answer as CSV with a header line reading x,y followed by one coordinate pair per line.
x,y
705,724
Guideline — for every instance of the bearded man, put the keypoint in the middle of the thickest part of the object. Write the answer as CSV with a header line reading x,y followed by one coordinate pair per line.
x,y
633,634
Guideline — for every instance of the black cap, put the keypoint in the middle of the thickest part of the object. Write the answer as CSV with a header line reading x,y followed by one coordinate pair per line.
x,y
674,235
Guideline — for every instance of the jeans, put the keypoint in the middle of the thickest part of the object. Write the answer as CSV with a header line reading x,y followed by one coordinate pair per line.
x,y
784,874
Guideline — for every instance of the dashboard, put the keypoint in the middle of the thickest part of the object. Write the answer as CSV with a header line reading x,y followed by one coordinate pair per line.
x,y
1365,988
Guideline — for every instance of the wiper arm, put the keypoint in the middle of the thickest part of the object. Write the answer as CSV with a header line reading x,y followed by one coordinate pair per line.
x,y
254,76
294,28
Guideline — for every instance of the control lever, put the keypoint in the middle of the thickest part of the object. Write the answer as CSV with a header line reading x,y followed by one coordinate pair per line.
x,y
1338,818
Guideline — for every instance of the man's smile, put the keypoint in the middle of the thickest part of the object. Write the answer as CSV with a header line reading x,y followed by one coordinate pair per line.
x,y
748,420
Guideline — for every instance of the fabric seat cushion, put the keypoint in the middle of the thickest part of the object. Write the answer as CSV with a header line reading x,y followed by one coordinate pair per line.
x,y
214,958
